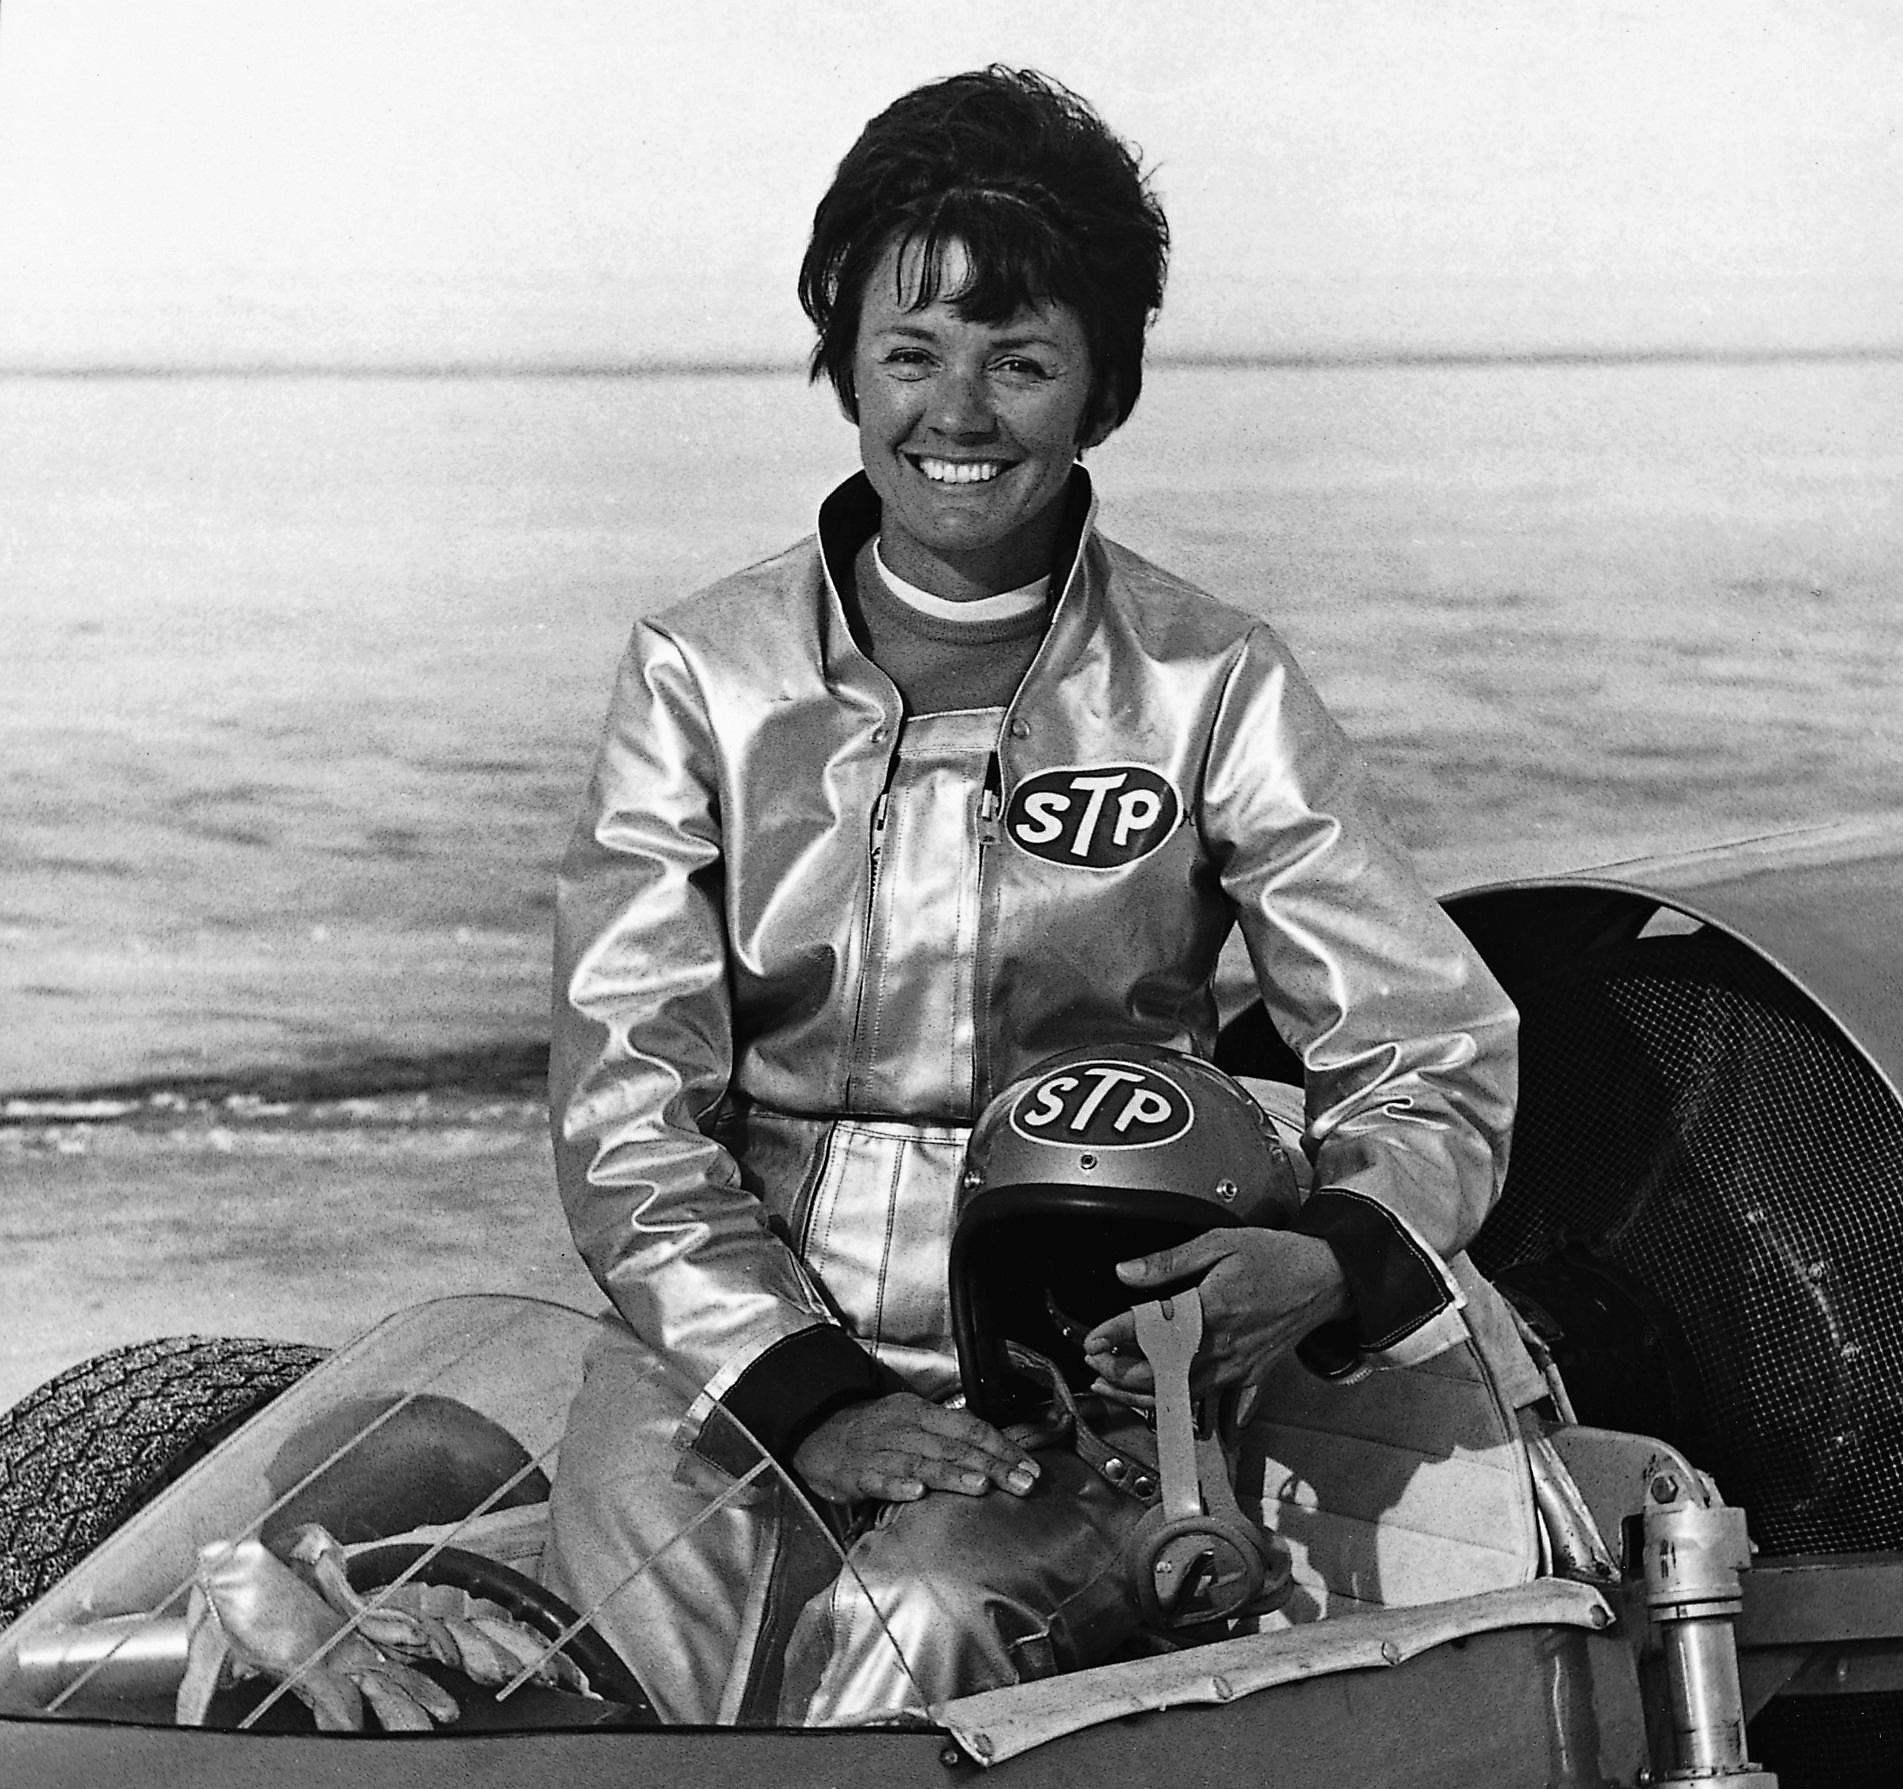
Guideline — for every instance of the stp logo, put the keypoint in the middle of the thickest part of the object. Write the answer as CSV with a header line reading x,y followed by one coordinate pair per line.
x,y
1094,817
1107,1105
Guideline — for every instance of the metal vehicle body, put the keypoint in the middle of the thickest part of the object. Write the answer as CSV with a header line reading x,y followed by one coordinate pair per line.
x,y
1703,1214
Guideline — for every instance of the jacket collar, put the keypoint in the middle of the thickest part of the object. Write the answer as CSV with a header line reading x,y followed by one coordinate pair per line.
x,y
849,517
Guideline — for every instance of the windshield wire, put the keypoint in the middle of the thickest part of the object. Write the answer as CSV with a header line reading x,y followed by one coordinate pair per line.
x,y
587,1615
380,1598
251,1528
803,1510
801,1505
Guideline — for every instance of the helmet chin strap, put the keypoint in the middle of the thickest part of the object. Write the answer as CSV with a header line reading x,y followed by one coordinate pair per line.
x,y
1169,1331
1196,1556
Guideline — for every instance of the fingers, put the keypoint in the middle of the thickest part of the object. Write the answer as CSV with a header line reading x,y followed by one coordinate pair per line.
x,y
903,1475
406,1701
1187,1261
1113,1338
953,1451
899,1447
1259,1303
337,1703
1112,1353
1234,1272
1128,1376
893,1480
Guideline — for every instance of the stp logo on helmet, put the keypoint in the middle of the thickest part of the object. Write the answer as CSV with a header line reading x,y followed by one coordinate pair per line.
x,y
1107,1105
1093,817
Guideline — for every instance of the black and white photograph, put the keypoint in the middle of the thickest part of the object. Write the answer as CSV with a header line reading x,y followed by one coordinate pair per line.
x,y
890,893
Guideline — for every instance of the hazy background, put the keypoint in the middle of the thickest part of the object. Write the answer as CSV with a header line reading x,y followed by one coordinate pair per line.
x,y
365,368
390,181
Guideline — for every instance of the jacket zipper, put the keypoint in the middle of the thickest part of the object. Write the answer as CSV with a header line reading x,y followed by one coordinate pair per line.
x,y
880,809
990,808
798,1224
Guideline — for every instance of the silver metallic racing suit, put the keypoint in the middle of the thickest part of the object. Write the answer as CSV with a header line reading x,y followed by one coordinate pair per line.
x,y
803,937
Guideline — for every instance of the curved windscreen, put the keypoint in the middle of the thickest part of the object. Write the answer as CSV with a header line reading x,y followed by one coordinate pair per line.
x,y
442,1428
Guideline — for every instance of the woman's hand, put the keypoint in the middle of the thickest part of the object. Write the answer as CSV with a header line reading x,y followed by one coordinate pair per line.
x,y
899,1447
1262,1291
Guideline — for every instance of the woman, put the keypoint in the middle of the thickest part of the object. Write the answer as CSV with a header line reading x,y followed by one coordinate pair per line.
x,y
882,822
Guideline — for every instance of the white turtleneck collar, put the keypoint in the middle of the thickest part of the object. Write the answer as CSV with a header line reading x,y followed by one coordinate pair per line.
x,y
979,609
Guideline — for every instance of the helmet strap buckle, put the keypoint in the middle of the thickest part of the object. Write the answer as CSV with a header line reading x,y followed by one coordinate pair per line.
x,y
1195,1557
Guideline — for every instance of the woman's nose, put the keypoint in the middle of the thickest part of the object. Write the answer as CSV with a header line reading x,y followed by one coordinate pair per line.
x,y
961,404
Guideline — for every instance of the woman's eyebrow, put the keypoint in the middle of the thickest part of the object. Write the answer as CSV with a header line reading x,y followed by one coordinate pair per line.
x,y
924,332
1028,338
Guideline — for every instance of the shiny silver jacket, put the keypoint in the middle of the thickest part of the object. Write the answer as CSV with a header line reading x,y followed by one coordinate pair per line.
x,y
802,937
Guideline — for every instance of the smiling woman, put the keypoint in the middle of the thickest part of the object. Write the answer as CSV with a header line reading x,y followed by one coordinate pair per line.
x,y
878,826
981,274
968,430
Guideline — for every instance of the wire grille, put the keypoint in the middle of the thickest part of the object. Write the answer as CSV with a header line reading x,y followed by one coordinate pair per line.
x,y
1691,1117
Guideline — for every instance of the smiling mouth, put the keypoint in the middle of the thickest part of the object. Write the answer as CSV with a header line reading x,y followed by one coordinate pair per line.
x,y
959,472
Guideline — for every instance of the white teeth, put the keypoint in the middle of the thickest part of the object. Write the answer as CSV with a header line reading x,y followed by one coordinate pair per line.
x,y
960,472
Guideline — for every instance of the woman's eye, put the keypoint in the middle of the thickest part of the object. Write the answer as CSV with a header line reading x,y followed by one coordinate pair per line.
x,y
907,362
1017,366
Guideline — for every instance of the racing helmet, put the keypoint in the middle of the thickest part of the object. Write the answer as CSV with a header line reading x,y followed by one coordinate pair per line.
x,y
1094,1157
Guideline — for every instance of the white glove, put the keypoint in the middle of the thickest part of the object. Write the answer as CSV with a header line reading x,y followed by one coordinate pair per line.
x,y
433,1621
252,1616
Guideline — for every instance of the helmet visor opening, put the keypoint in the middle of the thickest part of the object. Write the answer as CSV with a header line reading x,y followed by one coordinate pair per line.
x,y
1042,1273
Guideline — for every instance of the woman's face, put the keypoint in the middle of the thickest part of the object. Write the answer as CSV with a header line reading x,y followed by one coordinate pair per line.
x,y
968,430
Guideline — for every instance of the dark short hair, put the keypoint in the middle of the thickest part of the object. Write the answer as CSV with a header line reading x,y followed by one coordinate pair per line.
x,y
1049,203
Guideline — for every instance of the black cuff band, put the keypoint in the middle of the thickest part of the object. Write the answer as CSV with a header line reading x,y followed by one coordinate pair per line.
x,y
785,1394
1393,1284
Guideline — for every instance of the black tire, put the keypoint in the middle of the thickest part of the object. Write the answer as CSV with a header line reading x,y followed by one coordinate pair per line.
x,y
98,1442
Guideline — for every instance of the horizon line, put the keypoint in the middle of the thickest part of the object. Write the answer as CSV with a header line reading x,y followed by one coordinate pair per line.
x,y
1218,360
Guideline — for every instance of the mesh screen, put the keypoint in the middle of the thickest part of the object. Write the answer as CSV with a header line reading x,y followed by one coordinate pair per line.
x,y
1830,1742
1689,1115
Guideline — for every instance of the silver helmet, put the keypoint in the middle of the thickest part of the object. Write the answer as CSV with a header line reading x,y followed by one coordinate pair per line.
x,y
1094,1157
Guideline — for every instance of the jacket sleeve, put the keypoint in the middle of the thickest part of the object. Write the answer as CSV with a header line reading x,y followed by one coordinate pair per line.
x,y
1408,1043
640,1060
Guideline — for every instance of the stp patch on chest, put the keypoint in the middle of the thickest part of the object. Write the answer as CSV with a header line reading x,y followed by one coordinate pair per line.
x,y
1092,817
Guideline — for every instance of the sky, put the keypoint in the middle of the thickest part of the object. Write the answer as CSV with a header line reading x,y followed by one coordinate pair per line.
x,y
378,182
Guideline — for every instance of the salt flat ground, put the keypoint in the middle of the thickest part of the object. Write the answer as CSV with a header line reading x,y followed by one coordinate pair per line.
x,y
299,679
